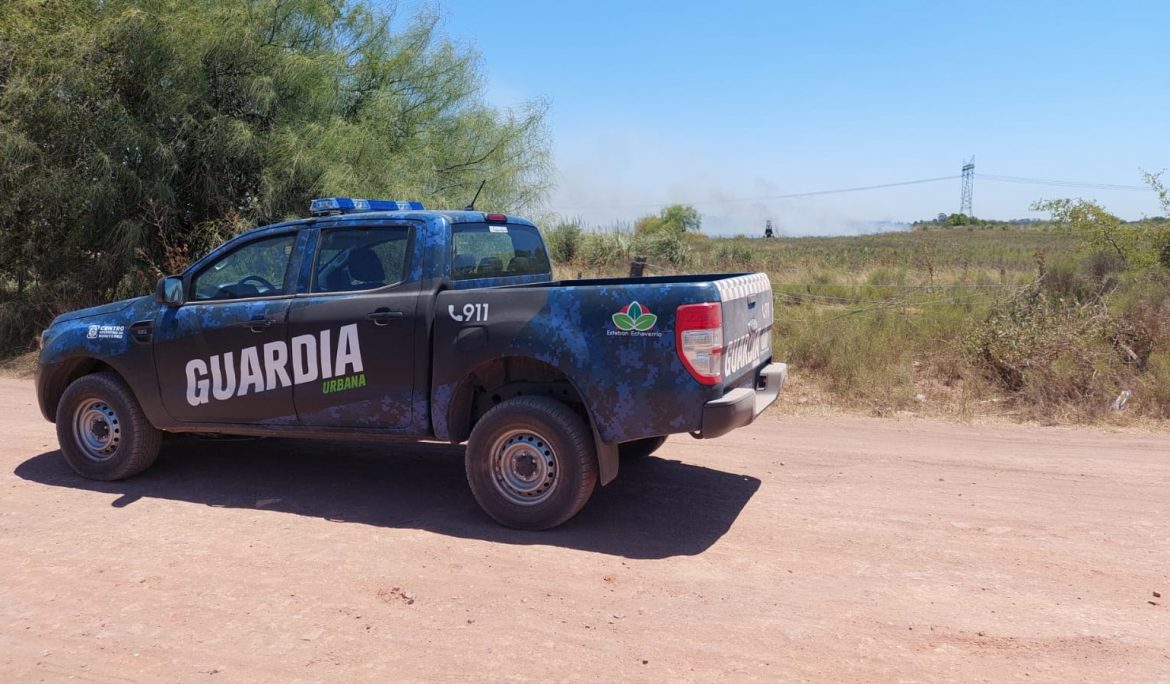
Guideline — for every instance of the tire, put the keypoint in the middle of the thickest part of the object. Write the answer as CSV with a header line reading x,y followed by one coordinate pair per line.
x,y
531,463
640,448
102,430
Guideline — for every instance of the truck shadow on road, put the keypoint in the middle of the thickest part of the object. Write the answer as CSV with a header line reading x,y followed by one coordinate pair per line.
x,y
656,508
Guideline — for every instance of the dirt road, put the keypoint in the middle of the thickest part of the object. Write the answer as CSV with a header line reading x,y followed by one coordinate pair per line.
x,y
798,548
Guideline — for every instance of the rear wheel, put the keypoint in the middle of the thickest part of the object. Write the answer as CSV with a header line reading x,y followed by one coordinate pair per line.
x,y
640,448
531,463
102,430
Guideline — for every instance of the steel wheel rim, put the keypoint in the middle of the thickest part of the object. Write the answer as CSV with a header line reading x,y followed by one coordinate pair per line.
x,y
97,431
524,467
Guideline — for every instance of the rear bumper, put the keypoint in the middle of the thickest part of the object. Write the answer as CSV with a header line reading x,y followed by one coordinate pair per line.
x,y
740,406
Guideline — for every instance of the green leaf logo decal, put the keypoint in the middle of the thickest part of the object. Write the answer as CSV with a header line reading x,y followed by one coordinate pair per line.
x,y
623,321
634,317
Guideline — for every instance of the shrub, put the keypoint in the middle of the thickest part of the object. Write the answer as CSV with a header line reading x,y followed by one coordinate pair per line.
x,y
1162,243
884,276
666,246
1153,390
675,218
1064,279
564,242
1102,265
20,319
1031,340
737,252
1141,319
606,249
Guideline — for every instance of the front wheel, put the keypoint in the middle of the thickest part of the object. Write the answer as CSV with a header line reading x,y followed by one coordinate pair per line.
x,y
531,463
102,430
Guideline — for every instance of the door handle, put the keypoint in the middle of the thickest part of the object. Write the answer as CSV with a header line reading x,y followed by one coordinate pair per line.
x,y
257,324
384,316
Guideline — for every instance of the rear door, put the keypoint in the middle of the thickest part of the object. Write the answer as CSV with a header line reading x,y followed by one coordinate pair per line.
x,y
352,334
747,324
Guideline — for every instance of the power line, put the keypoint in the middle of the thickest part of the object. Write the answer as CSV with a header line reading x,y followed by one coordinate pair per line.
x,y
857,189
1062,183
967,177
794,195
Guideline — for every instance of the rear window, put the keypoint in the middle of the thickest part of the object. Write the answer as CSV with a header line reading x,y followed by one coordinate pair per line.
x,y
361,258
494,251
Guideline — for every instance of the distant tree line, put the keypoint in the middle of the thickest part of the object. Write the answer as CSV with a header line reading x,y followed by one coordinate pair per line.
x,y
944,220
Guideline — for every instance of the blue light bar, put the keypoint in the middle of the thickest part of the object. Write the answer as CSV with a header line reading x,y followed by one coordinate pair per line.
x,y
352,205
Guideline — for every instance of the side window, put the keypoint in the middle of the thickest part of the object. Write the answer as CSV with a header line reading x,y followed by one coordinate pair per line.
x,y
255,270
350,259
493,251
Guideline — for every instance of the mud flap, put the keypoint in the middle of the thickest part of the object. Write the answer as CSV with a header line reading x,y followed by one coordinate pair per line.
x,y
607,458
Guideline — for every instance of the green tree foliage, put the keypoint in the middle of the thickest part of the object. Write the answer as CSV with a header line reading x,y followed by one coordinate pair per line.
x,y
135,134
674,219
1162,239
1133,242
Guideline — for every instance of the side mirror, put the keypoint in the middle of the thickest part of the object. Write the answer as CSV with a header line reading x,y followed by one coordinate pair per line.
x,y
169,291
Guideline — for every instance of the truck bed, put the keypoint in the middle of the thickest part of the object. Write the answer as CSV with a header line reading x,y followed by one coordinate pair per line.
x,y
633,381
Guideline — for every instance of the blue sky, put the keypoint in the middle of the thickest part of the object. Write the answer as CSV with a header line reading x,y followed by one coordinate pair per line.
x,y
721,104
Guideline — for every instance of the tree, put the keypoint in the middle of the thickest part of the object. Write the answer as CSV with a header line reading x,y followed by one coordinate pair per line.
x,y
674,219
135,134
1162,239
1140,244
1101,230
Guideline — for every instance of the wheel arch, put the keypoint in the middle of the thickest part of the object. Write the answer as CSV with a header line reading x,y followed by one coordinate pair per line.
x,y
54,379
505,377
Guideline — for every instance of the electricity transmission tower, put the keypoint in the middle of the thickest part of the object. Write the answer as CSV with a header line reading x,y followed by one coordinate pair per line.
x,y
968,187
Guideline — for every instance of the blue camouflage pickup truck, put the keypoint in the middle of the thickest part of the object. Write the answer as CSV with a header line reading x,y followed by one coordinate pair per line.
x,y
382,320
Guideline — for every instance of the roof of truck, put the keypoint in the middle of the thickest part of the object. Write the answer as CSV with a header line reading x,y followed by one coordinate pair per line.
x,y
452,216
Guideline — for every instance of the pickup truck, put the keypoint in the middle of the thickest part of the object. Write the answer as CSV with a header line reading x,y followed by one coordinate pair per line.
x,y
382,320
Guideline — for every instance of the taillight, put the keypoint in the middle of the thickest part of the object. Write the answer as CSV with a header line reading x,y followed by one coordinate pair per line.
x,y
698,336
496,218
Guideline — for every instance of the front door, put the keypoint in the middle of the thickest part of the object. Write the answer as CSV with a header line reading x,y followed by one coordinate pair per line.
x,y
222,357
355,330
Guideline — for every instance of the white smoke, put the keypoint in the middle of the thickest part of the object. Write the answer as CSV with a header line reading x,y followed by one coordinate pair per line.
x,y
620,177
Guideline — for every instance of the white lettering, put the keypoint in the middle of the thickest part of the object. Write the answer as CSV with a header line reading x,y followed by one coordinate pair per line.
x,y
275,359
304,358
741,352
196,386
221,389
326,362
348,352
250,375
307,359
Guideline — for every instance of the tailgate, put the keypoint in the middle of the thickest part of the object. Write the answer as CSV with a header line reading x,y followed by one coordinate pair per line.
x,y
747,324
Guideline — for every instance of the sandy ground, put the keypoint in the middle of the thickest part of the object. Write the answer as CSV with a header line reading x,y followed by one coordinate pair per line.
x,y
800,548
